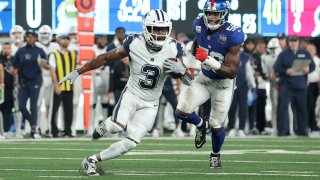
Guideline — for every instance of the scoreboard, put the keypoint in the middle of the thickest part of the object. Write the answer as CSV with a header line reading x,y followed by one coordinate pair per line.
x,y
266,17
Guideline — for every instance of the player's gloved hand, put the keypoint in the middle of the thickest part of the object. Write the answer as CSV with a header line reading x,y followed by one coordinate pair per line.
x,y
71,76
175,67
202,55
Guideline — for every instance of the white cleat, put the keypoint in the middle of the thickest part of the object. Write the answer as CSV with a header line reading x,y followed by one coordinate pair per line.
x,y
232,133
241,133
178,133
90,166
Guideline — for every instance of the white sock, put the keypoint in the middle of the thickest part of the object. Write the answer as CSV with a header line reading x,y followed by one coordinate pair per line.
x,y
198,125
117,149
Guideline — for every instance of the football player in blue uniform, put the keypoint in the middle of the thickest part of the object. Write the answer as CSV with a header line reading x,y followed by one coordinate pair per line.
x,y
149,53
217,45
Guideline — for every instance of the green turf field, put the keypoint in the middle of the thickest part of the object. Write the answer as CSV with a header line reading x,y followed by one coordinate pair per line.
x,y
245,158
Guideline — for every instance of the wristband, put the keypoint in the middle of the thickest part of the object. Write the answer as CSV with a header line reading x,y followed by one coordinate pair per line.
x,y
214,64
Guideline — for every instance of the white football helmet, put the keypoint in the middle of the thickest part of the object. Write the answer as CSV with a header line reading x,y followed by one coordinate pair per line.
x,y
273,43
156,18
17,34
45,34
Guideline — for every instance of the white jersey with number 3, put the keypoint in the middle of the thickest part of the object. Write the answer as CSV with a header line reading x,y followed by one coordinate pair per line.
x,y
147,74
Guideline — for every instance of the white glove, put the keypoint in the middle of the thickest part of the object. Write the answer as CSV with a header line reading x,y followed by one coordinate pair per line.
x,y
72,77
175,67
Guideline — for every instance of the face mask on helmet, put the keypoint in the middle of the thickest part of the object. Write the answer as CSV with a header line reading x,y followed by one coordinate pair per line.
x,y
157,27
215,13
16,34
45,34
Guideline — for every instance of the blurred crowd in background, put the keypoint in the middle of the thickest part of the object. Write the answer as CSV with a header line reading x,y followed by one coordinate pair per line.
x,y
272,97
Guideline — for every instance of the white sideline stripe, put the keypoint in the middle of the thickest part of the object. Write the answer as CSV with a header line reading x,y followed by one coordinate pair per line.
x,y
128,174
65,177
298,172
186,145
176,152
167,160
168,173
247,139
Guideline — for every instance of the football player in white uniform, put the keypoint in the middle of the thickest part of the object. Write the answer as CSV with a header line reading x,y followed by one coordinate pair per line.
x,y
17,36
137,108
46,91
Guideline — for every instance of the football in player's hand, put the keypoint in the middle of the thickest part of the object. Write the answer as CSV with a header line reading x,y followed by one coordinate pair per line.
x,y
174,75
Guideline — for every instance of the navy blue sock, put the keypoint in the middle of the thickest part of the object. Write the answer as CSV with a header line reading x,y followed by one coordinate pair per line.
x,y
192,118
217,140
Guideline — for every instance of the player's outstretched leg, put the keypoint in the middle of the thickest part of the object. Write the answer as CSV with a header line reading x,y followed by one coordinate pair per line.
x,y
192,118
215,162
106,126
90,166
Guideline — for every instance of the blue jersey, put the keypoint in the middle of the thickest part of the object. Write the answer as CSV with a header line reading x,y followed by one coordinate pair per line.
x,y
217,43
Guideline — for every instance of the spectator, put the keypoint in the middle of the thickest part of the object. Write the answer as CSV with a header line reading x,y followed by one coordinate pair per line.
x,y
273,52
261,78
6,61
293,86
117,42
99,86
62,62
1,100
119,79
26,64
170,95
46,91
248,47
313,89
244,79
282,40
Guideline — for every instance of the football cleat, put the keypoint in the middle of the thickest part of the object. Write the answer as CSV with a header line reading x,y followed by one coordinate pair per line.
x,y
215,162
90,166
200,138
99,131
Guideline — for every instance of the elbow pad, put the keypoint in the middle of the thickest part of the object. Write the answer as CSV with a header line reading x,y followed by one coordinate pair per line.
x,y
211,62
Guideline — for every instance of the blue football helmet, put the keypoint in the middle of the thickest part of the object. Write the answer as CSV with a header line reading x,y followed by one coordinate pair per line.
x,y
215,13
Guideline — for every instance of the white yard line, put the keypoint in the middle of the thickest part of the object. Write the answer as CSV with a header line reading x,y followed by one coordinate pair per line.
x,y
164,160
247,139
64,177
176,152
216,173
103,143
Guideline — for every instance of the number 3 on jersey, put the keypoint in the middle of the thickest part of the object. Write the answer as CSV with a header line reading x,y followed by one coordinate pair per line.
x,y
152,74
